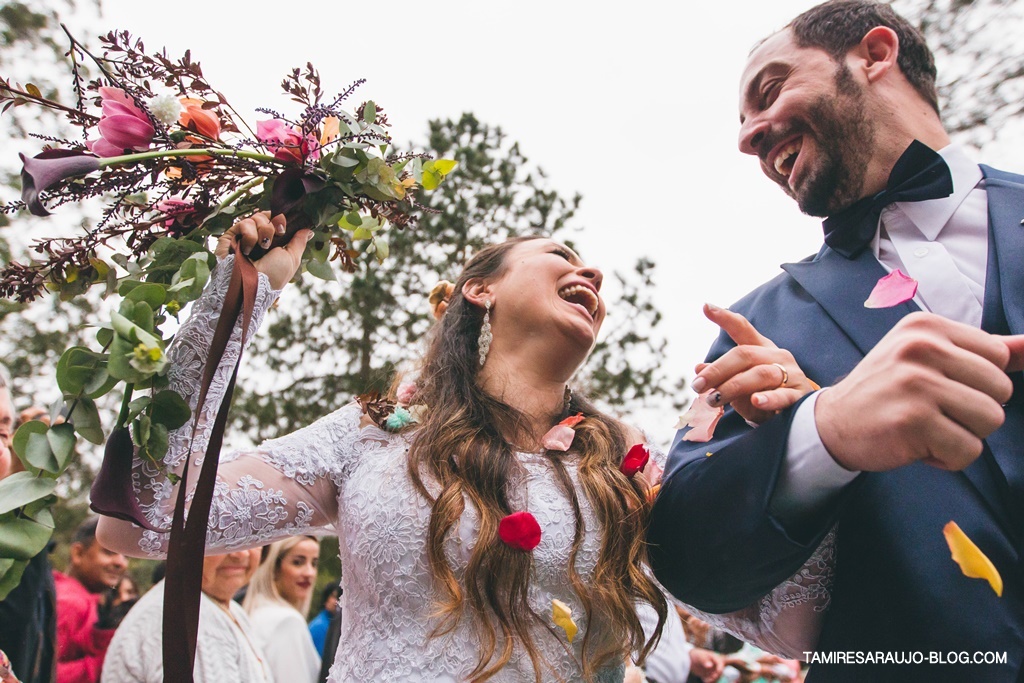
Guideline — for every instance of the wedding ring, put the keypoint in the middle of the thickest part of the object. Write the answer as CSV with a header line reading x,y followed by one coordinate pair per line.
x,y
785,375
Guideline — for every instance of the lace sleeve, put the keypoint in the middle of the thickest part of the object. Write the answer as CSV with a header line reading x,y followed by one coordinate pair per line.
x,y
286,486
787,621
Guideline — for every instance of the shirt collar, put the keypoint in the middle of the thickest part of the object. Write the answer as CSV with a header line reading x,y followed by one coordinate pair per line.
x,y
932,215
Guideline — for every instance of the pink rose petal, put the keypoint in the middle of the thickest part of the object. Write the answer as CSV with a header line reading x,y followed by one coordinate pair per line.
x,y
701,419
892,290
558,438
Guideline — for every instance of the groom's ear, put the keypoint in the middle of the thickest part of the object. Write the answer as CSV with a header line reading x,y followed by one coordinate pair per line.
x,y
877,53
476,290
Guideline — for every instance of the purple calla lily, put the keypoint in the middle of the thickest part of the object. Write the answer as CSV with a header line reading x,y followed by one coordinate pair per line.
x,y
48,168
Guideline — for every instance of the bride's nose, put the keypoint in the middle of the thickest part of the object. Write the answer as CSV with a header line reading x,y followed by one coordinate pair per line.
x,y
594,275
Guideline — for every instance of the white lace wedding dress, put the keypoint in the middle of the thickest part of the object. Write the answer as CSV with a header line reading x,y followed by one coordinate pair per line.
x,y
335,476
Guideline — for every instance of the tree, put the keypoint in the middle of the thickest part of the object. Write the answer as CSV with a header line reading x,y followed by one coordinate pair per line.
x,y
980,61
338,339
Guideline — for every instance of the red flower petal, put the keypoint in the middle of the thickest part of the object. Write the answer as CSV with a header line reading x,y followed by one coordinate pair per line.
x,y
519,530
635,460
572,421
892,290
701,418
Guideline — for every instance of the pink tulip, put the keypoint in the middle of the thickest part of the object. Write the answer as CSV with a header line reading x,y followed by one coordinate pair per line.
x,y
123,126
286,142
176,210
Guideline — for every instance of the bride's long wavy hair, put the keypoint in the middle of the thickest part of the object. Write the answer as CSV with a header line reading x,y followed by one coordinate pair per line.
x,y
464,449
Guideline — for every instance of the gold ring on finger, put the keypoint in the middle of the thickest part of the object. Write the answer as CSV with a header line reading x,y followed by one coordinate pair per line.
x,y
785,375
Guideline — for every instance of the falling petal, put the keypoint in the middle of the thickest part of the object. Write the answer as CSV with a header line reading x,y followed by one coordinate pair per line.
x,y
701,419
562,616
972,561
635,460
519,530
573,420
892,290
558,438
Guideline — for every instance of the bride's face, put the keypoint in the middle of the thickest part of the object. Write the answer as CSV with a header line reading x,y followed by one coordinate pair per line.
x,y
547,292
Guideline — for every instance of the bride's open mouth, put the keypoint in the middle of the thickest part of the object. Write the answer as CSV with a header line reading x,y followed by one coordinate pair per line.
x,y
581,295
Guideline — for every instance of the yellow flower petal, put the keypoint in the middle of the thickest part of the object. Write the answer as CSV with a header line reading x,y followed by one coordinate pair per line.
x,y
562,616
972,561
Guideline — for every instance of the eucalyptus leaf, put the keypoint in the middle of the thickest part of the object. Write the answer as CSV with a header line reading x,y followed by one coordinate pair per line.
x,y
76,369
21,437
321,269
21,488
22,538
152,294
86,420
11,572
170,409
158,443
369,112
39,454
62,442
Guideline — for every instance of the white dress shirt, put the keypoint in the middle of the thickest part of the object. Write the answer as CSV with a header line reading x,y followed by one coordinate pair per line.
x,y
941,243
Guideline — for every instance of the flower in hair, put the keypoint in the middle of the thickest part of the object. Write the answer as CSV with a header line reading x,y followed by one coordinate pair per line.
x,y
560,437
406,393
519,530
635,460
439,297
398,419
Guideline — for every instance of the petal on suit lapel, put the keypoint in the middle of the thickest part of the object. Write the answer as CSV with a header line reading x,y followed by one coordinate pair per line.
x,y
841,286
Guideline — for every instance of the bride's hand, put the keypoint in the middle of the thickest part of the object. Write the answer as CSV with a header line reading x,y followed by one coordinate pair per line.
x,y
756,377
280,263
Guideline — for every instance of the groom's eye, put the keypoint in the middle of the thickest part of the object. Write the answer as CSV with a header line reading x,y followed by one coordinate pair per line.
x,y
769,93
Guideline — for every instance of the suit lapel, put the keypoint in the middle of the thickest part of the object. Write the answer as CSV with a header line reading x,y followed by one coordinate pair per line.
x,y
1005,211
841,286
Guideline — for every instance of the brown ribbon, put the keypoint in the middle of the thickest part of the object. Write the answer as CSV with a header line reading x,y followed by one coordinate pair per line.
x,y
187,543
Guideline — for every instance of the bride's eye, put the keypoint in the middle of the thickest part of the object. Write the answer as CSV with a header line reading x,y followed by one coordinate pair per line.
x,y
563,253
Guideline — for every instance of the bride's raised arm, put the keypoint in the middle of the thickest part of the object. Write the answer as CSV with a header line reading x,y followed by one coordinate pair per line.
x,y
283,487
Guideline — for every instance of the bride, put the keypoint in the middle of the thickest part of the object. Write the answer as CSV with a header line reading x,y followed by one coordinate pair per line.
x,y
440,581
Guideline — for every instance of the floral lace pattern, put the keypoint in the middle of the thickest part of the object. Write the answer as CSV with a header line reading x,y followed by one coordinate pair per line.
x,y
338,477
787,621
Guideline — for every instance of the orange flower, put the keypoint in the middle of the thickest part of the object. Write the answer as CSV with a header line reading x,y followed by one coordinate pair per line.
x,y
331,130
199,120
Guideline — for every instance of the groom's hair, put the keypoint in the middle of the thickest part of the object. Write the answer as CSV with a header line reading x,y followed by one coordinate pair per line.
x,y
838,25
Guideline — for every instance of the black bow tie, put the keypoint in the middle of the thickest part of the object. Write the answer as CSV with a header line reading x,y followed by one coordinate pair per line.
x,y
919,174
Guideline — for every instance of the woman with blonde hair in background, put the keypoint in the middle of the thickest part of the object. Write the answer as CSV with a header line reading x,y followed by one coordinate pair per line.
x,y
491,520
277,602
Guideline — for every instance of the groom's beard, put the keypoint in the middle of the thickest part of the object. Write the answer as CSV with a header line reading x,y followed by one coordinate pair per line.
x,y
844,137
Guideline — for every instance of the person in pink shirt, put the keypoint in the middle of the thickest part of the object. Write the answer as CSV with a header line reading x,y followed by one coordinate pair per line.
x,y
88,609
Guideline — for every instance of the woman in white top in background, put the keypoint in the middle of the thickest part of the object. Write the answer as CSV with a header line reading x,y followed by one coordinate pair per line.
x,y
277,603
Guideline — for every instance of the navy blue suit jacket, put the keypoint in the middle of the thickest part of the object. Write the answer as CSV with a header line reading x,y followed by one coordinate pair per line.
x,y
715,544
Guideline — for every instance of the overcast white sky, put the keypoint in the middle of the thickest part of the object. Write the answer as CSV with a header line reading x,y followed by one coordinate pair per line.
x,y
632,104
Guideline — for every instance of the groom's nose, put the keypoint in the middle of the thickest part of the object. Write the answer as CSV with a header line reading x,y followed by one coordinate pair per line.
x,y
752,133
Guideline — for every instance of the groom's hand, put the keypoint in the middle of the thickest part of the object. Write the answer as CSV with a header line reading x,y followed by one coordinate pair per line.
x,y
930,391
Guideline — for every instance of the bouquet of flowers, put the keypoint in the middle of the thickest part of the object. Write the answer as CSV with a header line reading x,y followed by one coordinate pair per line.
x,y
175,165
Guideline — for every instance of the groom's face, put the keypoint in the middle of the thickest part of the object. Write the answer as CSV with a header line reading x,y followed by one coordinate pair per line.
x,y
806,118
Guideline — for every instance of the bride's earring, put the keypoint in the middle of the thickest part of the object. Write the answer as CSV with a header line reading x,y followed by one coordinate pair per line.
x,y
484,342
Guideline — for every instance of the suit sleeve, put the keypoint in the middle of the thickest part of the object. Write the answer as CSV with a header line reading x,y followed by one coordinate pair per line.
x,y
714,542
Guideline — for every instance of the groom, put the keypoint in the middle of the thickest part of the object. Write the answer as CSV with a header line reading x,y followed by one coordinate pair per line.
x,y
916,426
